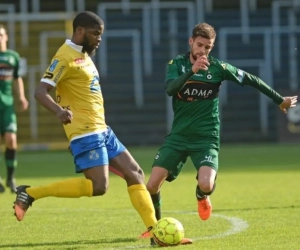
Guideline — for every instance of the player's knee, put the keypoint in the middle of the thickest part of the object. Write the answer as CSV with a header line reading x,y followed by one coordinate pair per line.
x,y
206,187
99,188
11,141
152,188
134,174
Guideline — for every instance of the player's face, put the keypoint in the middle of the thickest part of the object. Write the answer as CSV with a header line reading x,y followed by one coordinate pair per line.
x,y
200,46
3,37
92,39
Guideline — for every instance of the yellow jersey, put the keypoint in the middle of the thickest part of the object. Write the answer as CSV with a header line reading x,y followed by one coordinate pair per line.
x,y
76,79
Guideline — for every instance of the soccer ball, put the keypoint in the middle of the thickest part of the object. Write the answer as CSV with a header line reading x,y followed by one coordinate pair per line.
x,y
168,232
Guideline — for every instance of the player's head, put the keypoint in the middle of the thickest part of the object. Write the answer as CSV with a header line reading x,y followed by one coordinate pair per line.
x,y
202,40
87,31
3,37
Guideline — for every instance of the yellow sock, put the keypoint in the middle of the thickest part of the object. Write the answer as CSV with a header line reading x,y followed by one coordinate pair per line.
x,y
141,201
70,188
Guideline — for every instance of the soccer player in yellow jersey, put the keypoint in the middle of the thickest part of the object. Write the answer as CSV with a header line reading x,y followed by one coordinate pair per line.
x,y
79,107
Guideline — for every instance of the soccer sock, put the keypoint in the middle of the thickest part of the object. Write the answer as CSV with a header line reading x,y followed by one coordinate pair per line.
x,y
70,188
156,200
141,201
199,194
11,163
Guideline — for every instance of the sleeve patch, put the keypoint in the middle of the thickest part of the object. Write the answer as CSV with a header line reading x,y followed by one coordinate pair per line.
x,y
223,65
170,62
53,65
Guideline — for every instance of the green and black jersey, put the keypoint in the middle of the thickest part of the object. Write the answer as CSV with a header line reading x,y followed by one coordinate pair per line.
x,y
9,67
195,99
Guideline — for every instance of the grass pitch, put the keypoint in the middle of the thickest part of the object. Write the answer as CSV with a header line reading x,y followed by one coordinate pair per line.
x,y
256,205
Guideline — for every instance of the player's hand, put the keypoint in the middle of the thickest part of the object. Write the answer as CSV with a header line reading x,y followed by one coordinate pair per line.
x,y
200,63
65,116
288,102
23,104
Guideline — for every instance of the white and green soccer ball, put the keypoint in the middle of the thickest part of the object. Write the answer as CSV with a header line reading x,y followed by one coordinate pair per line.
x,y
168,232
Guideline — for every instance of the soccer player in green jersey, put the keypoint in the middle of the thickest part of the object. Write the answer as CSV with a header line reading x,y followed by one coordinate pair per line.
x,y
9,81
193,80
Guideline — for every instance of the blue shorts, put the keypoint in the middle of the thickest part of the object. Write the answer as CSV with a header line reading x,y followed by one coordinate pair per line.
x,y
95,150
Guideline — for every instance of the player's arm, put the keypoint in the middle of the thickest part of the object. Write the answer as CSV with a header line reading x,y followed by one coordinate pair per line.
x,y
19,91
175,80
18,87
54,73
244,78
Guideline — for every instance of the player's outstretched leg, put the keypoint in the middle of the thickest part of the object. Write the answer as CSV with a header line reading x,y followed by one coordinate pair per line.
x,y
69,188
22,203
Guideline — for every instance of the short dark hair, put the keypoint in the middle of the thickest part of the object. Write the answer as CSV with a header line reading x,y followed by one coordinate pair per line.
x,y
204,30
86,19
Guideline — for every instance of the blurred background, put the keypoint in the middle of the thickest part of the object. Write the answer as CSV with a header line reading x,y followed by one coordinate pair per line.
x,y
141,36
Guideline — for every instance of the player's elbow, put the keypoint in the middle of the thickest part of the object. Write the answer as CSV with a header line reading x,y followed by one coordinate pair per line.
x,y
168,88
169,93
39,94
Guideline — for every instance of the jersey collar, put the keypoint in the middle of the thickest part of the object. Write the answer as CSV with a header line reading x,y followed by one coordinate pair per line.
x,y
74,46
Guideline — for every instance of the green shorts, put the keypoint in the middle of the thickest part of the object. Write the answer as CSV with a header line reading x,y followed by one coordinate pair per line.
x,y
173,159
8,120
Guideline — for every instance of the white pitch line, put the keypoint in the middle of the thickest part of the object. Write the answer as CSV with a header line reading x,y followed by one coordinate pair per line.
x,y
237,225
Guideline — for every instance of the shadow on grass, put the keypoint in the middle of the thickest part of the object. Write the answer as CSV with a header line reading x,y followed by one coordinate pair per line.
x,y
69,243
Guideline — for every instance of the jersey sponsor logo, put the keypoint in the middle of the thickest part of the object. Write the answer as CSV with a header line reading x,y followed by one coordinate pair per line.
x,y
6,73
83,66
59,73
196,91
10,60
58,100
4,58
79,60
53,65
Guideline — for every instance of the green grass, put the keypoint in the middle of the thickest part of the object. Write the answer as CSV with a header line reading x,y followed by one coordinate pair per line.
x,y
256,184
